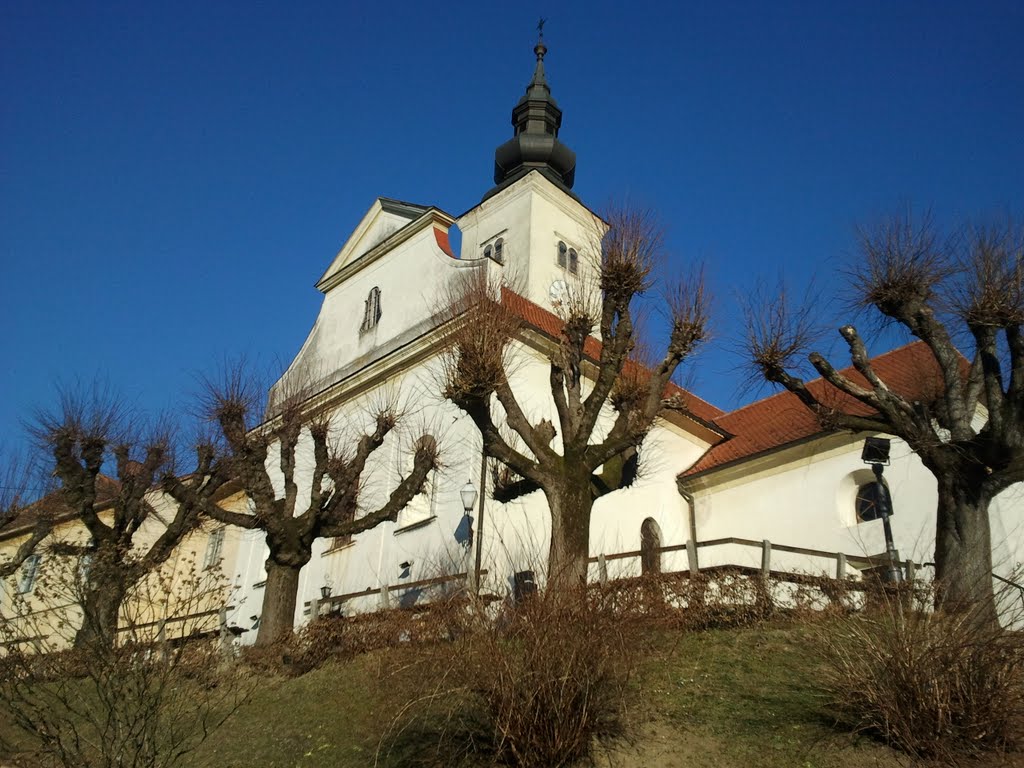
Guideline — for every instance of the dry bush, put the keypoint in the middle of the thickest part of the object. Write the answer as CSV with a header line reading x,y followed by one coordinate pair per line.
x,y
534,687
935,685
147,699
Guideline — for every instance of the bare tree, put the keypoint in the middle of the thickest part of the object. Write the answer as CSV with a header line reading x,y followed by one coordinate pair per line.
x,y
588,379
293,520
84,433
148,700
970,432
19,513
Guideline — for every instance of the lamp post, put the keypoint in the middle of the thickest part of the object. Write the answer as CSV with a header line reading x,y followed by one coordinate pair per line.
x,y
876,453
468,494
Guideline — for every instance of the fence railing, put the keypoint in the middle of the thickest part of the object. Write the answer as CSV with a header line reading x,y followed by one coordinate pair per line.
x,y
842,560
388,594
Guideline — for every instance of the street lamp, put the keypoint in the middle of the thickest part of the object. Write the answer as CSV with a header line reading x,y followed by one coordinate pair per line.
x,y
876,453
325,591
468,494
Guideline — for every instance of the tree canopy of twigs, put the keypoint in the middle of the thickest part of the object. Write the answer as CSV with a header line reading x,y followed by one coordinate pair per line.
x,y
588,378
87,431
967,427
19,513
266,459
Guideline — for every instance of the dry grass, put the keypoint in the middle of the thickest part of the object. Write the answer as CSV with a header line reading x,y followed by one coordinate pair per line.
x,y
934,685
533,687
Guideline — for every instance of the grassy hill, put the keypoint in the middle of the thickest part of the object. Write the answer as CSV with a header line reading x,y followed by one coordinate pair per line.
x,y
714,699
748,697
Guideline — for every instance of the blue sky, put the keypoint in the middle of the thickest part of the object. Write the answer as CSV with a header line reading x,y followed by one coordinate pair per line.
x,y
175,177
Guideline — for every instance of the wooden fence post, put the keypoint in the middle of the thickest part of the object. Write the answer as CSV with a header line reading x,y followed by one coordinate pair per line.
x,y
841,566
314,608
385,597
766,558
911,572
691,556
161,639
602,570
225,636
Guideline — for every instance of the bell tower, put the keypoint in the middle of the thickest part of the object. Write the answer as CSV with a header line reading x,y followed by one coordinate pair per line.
x,y
541,236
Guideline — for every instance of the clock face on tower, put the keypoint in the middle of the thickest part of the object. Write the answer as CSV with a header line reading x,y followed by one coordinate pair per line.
x,y
557,293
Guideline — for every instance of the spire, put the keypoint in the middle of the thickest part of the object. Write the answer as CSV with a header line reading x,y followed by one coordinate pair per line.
x,y
536,119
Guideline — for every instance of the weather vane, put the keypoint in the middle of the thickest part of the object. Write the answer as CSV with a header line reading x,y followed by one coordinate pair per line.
x,y
540,26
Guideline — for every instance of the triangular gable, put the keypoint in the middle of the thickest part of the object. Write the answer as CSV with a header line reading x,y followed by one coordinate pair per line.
x,y
384,218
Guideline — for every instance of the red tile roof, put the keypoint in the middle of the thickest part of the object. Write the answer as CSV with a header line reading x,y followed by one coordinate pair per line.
x,y
53,506
551,325
442,241
781,419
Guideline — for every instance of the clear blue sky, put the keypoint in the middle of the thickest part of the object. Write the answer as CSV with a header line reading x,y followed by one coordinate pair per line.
x,y
175,176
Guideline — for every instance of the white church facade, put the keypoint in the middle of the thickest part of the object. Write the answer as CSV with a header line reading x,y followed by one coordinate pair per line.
x,y
765,472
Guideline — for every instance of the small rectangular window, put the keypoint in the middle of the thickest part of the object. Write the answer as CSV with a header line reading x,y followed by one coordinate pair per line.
x,y
214,546
29,572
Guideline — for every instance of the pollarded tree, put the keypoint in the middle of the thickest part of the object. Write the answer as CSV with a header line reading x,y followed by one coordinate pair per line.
x,y
267,460
82,435
970,435
590,380
17,513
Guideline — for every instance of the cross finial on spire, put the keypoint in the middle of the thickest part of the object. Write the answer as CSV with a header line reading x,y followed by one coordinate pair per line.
x,y
540,27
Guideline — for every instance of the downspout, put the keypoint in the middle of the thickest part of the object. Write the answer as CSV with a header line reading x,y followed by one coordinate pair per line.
x,y
688,498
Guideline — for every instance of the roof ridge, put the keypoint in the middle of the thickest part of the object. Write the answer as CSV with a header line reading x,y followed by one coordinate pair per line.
x,y
850,367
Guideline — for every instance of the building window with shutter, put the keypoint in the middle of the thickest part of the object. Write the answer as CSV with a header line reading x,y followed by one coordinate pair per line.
x,y
371,313
29,573
214,547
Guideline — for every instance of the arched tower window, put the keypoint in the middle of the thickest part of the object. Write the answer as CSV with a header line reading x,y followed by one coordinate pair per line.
x,y
563,251
499,251
487,252
573,261
371,313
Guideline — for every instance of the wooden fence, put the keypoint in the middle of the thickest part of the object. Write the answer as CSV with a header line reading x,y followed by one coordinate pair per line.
x,y
842,560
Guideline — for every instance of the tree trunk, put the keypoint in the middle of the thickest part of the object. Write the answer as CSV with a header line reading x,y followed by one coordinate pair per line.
x,y
101,607
280,595
963,546
570,508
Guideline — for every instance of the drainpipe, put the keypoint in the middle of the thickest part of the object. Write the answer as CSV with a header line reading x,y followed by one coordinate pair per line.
x,y
688,498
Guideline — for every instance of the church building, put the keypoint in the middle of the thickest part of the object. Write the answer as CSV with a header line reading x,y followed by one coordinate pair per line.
x,y
765,472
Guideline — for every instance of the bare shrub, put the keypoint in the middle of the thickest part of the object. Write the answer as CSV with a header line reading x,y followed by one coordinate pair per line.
x,y
148,699
535,687
933,684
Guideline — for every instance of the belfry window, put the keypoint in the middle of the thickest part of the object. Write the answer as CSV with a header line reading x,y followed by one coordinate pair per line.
x,y
563,251
371,313
573,261
488,253
499,251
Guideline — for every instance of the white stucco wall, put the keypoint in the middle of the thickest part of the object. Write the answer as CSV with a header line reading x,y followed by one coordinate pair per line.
x,y
804,496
